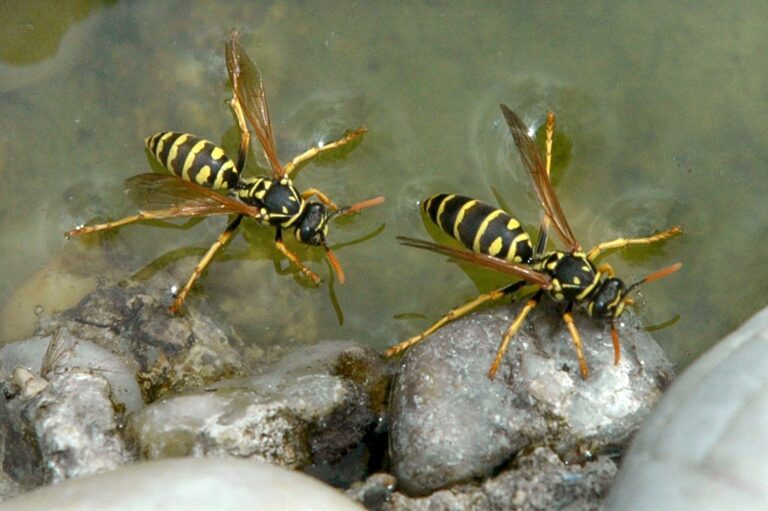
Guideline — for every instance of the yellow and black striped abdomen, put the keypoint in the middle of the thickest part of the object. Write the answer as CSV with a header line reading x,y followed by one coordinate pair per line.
x,y
480,227
194,159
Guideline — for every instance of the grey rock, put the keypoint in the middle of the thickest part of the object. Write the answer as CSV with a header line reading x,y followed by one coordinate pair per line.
x,y
450,423
374,491
235,422
173,353
311,407
705,445
539,481
74,420
188,484
8,487
62,351
68,424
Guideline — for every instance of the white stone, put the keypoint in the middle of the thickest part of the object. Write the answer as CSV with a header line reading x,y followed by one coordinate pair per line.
x,y
706,444
188,484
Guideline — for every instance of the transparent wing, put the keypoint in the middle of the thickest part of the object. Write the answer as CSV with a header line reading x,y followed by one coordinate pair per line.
x,y
520,271
154,192
249,91
531,158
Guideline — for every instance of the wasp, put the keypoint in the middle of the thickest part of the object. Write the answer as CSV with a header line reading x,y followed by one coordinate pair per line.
x,y
496,240
199,169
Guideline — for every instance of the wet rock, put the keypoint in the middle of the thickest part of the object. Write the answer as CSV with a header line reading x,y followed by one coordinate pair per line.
x,y
311,408
233,422
66,424
74,421
539,481
8,487
450,423
173,353
61,351
374,491
190,484
704,446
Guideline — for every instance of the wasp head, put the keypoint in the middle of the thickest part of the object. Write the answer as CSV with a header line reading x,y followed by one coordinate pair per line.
x,y
609,299
312,227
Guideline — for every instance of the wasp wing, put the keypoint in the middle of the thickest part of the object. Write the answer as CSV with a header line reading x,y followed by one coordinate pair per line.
x,y
176,197
520,271
249,92
531,158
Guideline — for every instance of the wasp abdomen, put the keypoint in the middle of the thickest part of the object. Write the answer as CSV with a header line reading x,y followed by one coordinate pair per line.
x,y
194,159
480,227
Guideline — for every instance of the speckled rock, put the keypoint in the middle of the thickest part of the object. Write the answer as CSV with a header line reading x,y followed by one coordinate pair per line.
x,y
173,353
450,423
48,354
188,484
538,481
705,445
233,422
59,428
310,408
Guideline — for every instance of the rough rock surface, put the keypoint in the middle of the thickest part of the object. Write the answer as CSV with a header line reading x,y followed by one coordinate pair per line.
x,y
310,408
59,428
538,481
173,353
449,423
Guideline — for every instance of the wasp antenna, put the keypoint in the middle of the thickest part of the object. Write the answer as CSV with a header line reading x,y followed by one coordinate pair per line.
x,y
355,208
334,263
660,274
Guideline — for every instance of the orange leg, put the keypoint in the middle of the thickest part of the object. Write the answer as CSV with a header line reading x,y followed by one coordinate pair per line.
x,y
625,242
511,331
320,196
294,258
305,157
576,338
222,240
454,313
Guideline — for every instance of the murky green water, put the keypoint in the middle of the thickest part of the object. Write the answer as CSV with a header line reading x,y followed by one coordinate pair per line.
x,y
665,107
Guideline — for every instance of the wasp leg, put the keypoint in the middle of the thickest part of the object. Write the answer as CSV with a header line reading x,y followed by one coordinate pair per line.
x,y
305,157
294,258
511,331
222,240
616,344
144,215
454,313
320,196
576,338
625,242
607,269
245,135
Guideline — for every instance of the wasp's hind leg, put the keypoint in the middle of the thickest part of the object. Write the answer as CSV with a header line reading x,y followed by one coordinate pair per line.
x,y
454,313
222,240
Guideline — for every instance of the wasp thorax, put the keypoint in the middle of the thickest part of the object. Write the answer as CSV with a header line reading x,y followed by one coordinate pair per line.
x,y
608,299
313,225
